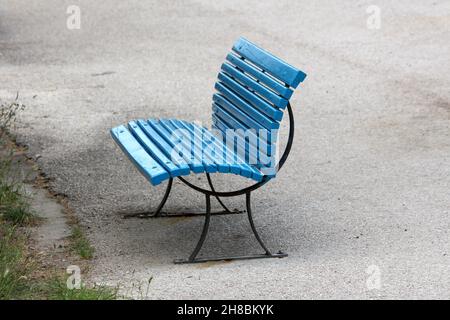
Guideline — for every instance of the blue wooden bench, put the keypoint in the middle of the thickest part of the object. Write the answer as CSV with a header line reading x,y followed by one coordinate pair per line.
x,y
253,92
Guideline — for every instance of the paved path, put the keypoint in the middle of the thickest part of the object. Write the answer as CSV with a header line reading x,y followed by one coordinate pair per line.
x,y
364,194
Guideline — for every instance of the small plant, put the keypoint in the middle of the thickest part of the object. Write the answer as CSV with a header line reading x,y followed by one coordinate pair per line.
x,y
80,244
56,289
12,264
8,113
13,204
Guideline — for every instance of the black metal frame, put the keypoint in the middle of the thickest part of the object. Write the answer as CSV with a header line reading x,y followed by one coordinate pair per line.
x,y
208,193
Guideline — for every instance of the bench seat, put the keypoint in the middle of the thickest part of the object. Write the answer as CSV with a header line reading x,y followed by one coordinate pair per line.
x,y
168,148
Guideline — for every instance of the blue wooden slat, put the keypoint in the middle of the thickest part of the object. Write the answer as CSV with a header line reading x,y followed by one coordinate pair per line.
x,y
198,144
250,121
175,141
195,166
261,76
245,80
255,173
258,122
153,150
241,121
236,160
260,145
256,164
192,145
225,155
239,165
245,95
234,123
163,145
268,62
216,155
148,166
239,145
233,169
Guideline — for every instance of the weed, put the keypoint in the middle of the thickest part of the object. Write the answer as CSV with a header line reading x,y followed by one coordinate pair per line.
x,y
80,244
12,263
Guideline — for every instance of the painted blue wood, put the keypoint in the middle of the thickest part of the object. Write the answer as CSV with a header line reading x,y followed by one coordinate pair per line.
x,y
234,123
254,148
251,84
223,153
261,133
269,63
177,159
233,161
195,165
239,91
156,153
198,142
275,85
237,160
244,118
233,169
253,88
220,125
189,142
250,121
148,166
236,130
209,147
255,173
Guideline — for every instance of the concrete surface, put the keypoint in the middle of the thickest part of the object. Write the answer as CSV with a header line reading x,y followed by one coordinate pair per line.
x,y
52,231
364,196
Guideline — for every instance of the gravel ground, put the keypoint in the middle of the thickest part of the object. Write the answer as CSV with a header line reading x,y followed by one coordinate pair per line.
x,y
362,205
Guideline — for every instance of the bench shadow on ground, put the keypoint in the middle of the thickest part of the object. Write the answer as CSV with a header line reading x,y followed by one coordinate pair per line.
x,y
166,238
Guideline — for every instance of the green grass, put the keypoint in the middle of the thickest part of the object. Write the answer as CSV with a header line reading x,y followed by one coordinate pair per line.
x,y
56,289
16,270
13,204
80,244
12,264
14,213
16,265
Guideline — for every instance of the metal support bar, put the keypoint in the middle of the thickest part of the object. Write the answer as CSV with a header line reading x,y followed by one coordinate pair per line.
x,y
157,212
255,256
192,258
164,214
216,196
252,224
205,230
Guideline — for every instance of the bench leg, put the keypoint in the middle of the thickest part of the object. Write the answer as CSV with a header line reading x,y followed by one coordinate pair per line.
x,y
204,231
158,213
193,257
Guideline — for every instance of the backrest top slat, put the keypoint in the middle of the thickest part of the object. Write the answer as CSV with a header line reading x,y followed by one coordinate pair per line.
x,y
269,63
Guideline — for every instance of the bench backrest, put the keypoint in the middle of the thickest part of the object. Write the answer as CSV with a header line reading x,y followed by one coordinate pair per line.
x,y
253,89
